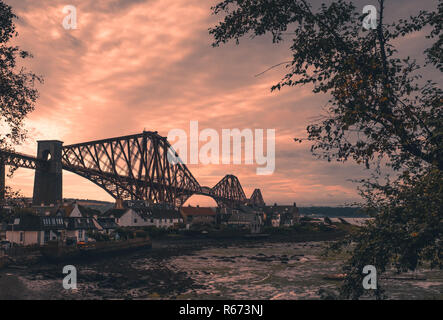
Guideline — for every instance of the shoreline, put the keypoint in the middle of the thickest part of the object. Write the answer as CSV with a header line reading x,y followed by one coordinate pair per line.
x,y
168,245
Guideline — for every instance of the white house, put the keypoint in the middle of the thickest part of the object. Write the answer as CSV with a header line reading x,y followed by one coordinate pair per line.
x,y
29,230
145,216
127,217
77,228
160,217
75,212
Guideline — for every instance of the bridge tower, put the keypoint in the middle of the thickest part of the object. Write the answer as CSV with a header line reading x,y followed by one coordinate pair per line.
x,y
48,180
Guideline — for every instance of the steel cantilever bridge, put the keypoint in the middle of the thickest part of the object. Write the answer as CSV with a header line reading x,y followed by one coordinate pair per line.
x,y
134,167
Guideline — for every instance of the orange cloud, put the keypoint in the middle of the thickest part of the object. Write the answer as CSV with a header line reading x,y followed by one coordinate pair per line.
x,y
134,65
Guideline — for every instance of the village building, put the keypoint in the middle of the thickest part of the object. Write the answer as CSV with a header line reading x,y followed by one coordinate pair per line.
x,y
107,225
246,218
290,216
77,228
126,217
31,229
160,217
282,215
198,215
50,210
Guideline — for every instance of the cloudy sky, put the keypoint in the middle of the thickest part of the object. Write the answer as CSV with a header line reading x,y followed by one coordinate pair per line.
x,y
148,64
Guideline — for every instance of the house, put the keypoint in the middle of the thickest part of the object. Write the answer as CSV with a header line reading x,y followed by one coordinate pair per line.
x,y
77,228
282,215
126,217
198,215
160,216
246,218
290,216
75,210
107,225
29,229
43,210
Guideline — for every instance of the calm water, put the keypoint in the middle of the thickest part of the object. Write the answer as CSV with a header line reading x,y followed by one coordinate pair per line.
x,y
248,271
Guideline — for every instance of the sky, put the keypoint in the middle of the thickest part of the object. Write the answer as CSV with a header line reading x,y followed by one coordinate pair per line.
x,y
134,65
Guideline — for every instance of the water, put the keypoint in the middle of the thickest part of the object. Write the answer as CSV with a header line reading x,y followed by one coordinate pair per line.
x,y
245,271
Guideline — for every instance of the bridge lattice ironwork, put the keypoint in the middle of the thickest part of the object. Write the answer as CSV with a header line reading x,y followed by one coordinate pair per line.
x,y
136,167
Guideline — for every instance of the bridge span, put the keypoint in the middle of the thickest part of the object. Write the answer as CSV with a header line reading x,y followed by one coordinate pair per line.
x,y
133,167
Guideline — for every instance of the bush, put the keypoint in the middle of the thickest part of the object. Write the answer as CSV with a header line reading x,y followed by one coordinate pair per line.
x,y
141,234
99,237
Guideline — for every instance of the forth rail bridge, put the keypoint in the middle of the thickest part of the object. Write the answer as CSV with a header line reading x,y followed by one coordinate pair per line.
x,y
134,167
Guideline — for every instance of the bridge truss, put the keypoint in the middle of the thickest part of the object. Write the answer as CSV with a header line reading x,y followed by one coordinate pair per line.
x,y
136,167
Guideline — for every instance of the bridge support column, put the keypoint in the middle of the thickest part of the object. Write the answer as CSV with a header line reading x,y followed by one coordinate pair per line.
x,y
48,180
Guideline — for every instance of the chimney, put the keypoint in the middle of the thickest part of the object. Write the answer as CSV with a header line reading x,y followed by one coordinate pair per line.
x,y
119,203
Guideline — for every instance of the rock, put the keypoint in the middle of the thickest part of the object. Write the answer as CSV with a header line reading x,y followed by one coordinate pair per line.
x,y
328,294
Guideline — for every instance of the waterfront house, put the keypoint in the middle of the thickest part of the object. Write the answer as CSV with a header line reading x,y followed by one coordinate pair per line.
x,y
160,216
77,228
126,217
49,210
282,215
74,210
29,229
290,216
107,225
246,218
198,215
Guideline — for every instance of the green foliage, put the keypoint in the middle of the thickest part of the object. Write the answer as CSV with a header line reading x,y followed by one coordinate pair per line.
x,y
155,232
404,234
377,109
141,234
125,233
381,110
17,92
99,237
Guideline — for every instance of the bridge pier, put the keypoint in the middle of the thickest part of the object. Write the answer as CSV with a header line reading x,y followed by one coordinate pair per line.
x,y
48,182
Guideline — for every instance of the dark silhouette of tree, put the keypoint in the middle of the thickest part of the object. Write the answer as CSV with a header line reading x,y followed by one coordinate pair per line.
x,y
381,112
17,92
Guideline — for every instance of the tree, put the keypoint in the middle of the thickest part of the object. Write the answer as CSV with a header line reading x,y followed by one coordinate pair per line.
x,y
17,91
381,113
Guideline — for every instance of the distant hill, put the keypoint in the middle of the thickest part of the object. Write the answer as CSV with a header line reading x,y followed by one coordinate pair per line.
x,y
332,212
102,206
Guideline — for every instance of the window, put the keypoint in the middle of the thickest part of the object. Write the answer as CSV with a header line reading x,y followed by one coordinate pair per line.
x,y
22,237
135,220
80,234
